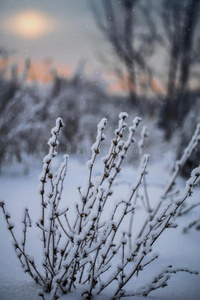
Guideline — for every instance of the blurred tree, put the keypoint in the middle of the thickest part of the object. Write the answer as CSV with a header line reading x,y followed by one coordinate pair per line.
x,y
20,108
133,29
185,134
119,22
180,20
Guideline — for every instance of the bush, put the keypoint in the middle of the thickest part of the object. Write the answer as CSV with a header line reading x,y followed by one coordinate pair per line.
x,y
84,251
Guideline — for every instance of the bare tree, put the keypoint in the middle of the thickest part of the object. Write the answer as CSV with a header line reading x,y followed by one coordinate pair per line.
x,y
118,22
180,19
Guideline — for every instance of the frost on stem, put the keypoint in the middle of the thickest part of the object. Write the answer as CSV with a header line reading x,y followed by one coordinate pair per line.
x,y
84,251
168,190
96,146
144,135
46,172
160,281
180,163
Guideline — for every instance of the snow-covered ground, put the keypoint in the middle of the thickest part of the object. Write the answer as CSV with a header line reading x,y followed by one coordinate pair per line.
x,y
19,190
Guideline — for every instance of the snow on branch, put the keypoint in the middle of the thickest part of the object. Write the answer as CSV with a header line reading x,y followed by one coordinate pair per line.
x,y
83,251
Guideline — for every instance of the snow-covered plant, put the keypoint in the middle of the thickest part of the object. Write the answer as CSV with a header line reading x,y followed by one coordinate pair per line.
x,y
96,249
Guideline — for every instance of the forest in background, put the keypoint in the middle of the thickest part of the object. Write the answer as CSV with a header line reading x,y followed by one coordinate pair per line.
x,y
155,58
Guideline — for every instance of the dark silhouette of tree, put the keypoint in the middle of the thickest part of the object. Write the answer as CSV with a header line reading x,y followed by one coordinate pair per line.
x,y
118,21
180,19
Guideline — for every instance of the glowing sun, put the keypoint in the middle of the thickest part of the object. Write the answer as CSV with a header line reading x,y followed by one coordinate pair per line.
x,y
30,24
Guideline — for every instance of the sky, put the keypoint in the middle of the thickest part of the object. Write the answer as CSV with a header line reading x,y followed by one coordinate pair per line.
x,y
60,34
62,31
56,34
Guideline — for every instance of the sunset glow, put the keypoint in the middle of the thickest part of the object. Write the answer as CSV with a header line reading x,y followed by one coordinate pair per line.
x,y
30,24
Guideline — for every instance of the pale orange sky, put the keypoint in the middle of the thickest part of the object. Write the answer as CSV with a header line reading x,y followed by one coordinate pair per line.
x,y
65,32
29,24
61,31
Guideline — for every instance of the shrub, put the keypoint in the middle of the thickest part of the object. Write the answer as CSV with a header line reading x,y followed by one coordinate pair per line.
x,y
84,251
